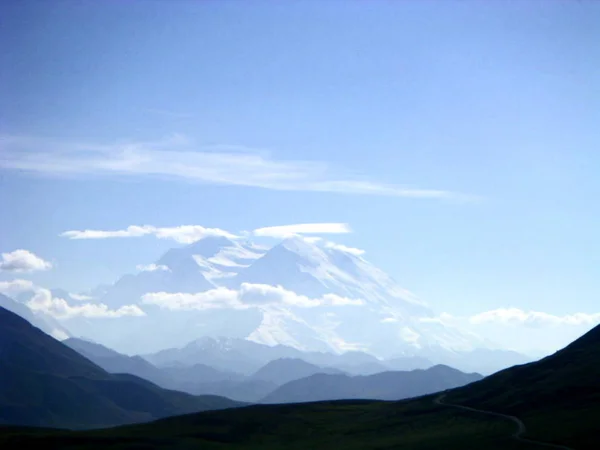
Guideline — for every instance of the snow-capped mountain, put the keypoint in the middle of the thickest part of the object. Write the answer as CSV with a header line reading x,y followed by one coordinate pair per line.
x,y
300,293
197,267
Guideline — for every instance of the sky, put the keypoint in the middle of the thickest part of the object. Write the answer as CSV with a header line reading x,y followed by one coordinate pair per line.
x,y
456,142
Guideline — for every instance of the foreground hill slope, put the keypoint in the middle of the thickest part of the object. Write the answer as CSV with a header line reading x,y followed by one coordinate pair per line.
x,y
558,396
45,383
381,386
416,424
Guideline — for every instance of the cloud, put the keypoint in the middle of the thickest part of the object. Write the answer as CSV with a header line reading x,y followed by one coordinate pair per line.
x,y
184,234
529,332
515,316
14,287
218,298
80,297
248,296
60,309
59,335
22,261
345,249
43,301
257,294
152,268
336,300
284,231
177,158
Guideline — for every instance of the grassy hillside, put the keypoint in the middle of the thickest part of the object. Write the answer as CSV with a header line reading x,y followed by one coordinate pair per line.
x,y
558,396
45,383
351,425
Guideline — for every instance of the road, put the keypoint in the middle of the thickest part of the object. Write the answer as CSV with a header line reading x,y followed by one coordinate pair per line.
x,y
517,435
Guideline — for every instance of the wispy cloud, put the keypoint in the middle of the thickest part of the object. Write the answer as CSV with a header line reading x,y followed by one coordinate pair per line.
x,y
22,261
249,295
178,158
518,317
533,332
284,231
344,248
184,234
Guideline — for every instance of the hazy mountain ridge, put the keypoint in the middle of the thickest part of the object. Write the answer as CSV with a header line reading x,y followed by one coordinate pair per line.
x,y
45,383
380,386
186,374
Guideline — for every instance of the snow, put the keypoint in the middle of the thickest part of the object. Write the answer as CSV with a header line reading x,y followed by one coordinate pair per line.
x,y
379,316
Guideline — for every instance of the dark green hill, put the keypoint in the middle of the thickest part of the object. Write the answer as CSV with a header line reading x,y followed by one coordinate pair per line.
x,y
558,396
45,383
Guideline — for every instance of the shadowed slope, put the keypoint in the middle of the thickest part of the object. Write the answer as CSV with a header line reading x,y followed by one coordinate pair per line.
x,y
45,383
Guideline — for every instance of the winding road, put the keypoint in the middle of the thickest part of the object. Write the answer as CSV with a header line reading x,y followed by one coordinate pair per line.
x,y
517,435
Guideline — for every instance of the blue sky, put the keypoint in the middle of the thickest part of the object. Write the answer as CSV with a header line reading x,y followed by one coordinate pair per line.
x,y
459,140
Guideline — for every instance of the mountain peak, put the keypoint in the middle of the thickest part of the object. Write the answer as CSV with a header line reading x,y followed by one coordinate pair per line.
x,y
209,246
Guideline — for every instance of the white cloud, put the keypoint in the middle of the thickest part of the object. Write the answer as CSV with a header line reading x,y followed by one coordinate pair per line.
x,y
257,294
43,301
59,335
336,300
22,261
343,248
249,295
176,157
80,297
184,234
313,239
60,309
218,298
284,231
152,267
15,287
515,316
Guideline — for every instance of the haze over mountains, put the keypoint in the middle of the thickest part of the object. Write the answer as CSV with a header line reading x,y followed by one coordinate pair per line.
x,y
303,293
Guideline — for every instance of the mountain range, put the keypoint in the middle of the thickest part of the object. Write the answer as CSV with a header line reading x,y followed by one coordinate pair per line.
x,y
278,380
381,386
551,403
